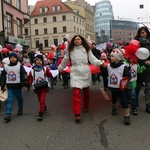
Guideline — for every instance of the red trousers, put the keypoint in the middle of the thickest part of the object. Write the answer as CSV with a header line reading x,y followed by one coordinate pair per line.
x,y
41,97
77,97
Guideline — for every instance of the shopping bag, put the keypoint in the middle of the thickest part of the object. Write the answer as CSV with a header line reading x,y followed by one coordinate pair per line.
x,y
3,94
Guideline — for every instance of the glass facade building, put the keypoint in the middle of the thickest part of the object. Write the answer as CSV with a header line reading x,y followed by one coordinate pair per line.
x,y
102,16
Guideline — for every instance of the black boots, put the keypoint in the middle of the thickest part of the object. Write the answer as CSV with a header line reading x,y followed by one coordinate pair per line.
x,y
147,108
40,116
7,118
20,112
114,110
77,118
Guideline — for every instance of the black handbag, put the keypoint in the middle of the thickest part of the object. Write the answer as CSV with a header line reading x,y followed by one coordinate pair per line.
x,y
40,85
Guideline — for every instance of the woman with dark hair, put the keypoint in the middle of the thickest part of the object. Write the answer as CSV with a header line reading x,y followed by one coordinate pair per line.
x,y
79,54
143,36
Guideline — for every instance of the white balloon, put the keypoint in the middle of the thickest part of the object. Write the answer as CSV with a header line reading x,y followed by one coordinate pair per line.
x,y
19,47
67,36
1,48
142,53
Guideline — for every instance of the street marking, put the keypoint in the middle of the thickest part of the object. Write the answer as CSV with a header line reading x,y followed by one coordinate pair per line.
x,y
105,95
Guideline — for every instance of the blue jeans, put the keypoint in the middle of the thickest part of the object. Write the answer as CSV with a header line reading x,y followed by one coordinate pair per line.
x,y
9,102
131,95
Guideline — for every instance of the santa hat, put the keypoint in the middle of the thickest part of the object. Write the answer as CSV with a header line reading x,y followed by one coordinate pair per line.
x,y
118,53
53,47
62,46
104,54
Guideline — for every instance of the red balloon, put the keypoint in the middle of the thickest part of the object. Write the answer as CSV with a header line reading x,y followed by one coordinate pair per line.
x,y
51,56
135,43
15,50
4,50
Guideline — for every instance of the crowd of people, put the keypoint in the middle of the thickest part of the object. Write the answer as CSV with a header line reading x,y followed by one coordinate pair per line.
x,y
122,75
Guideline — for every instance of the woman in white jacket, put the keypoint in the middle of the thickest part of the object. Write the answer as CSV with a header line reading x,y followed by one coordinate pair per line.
x,y
79,54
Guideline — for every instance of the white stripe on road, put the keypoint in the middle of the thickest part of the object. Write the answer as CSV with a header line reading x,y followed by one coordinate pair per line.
x,y
105,95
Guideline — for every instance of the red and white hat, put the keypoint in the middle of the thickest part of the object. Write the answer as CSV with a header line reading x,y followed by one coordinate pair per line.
x,y
104,54
118,53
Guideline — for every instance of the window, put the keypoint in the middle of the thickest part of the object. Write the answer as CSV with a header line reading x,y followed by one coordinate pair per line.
x,y
26,32
36,21
9,24
141,6
19,28
44,20
37,43
56,42
64,18
56,8
74,29
45,30
36,31
46,43
9,1
74,18
43,9
54,19
64,29
54,30
18,4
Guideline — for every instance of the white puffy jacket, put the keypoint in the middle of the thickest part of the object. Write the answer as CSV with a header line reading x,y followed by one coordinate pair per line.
x,y
80,75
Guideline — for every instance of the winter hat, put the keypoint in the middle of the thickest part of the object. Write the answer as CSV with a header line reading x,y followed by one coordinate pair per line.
x,y
104,54
38,57
109,44
13,54
27,60
118,53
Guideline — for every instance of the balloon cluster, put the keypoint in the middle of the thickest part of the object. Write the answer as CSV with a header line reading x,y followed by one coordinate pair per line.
x,y
133,52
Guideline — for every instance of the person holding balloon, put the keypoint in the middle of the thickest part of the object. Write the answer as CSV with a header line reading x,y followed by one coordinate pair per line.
x,y
142,40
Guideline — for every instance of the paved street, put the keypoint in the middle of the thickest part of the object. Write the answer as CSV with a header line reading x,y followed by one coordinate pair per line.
x,y
99,130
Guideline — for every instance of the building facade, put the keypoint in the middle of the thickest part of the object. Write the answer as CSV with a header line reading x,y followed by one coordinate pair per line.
x,y
102,16
51,21
15,15
85,10
123,31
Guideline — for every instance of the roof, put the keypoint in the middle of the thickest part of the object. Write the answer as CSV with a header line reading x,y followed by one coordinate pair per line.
x,y
49,4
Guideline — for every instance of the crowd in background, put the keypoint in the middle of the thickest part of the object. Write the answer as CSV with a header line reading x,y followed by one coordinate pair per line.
x,y
115,64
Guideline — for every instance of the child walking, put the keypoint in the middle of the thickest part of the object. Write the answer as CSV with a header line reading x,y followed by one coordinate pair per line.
x,y
38,74
103,69
14,75
116,72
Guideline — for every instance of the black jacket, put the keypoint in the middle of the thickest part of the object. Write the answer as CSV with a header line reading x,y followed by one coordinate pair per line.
x,y
96,53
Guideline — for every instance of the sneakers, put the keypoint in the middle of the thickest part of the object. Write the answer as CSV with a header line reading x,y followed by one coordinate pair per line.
x,y
134,111
126,120
40,116
77,118
20,112
7,118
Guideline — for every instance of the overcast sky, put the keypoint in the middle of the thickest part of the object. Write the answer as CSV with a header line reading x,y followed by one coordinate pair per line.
x,y
124,9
